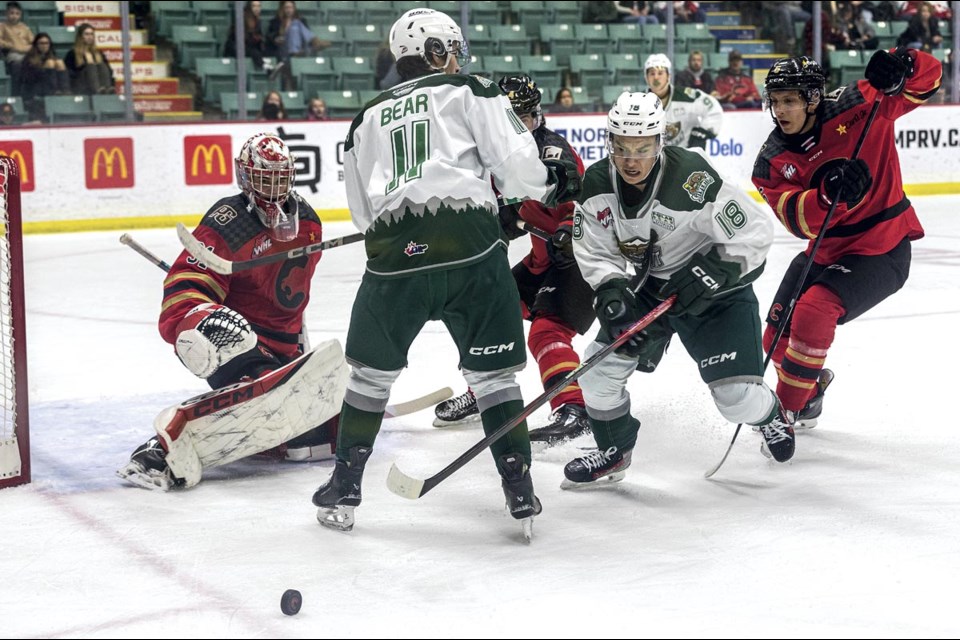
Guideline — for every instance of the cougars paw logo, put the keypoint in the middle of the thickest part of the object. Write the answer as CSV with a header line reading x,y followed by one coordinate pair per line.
x,y
414,249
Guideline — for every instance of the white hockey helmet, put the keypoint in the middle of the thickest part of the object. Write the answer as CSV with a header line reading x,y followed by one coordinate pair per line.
x,y
422,31
266,173
637,114
658,61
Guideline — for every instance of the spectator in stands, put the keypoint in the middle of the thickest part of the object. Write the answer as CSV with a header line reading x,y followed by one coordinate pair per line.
x,y
939,9
637,12
695,76
317,110
601,12
272,107
735,88
43,73
8,115
683,12
781,16
289,34
89,71
855,21
923,30
832,38
16,38
386,68
563,102
253,39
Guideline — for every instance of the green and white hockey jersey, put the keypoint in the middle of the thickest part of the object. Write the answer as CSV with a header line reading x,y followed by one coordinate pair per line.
x,y
689,208
418,162
687,110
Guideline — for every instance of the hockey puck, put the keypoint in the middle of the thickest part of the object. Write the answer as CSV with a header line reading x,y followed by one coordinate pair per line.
x,y
290,602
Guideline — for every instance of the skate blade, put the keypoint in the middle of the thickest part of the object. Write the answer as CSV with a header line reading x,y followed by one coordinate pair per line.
x,y
805,425
136,475
617,476
444,424
336,518
526,528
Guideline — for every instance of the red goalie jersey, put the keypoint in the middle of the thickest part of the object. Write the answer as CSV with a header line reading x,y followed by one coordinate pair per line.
x,y
788,172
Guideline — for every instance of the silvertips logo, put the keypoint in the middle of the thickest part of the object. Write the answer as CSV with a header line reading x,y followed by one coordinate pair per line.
x,y
697,184
414,249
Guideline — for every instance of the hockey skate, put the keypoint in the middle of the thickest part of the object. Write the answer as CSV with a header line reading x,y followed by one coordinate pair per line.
x,y
596,469
569,421
807,417
148,468
339,496
779,439
459,410
517,485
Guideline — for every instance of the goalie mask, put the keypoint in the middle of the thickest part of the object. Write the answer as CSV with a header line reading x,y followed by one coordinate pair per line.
x,y
265,172
420,32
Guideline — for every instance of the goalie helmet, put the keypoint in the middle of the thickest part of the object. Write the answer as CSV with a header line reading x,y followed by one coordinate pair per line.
x,y
798,73
419,32
524,96
265,172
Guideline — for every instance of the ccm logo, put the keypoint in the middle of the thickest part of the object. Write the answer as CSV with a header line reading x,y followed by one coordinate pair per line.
x,y
717,359
705,278
491,350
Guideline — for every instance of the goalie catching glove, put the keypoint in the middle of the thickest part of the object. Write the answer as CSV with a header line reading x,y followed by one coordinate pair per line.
x,y
211,335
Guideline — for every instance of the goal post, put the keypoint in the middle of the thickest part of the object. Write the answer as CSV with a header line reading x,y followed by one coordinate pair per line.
x,y
14,430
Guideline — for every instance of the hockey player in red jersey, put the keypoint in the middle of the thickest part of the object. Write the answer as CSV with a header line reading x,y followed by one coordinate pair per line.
x,y
555,297
801,170
228,328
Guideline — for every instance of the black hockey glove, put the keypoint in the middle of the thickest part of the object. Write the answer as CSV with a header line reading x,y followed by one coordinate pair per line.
x,y
560,246
562,173
699,137
509,215
853,176
696,283
617,311
888,72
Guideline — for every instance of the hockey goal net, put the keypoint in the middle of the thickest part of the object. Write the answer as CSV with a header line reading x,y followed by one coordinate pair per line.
x,y
14,434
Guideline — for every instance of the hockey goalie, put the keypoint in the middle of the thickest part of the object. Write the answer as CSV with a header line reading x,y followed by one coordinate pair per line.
x,y
242,333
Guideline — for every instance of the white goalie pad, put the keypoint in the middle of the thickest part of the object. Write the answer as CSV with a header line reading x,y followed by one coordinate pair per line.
x,y
240,420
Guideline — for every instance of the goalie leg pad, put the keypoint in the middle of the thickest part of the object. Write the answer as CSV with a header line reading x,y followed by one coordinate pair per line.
x,y
243,419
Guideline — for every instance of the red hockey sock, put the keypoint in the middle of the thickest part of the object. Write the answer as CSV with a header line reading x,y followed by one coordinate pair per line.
x,y
550,345
800,359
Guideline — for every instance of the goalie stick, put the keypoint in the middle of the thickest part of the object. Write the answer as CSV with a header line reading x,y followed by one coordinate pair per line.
x,y
413,488
223,266
146,253
803,276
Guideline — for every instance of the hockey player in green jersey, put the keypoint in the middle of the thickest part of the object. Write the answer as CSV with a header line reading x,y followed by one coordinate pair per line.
x,y
666,214
418,162
692,116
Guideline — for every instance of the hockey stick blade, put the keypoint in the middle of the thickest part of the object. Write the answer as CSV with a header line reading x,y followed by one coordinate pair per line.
x,y
146,253
409,487
785,317
418,404
223,266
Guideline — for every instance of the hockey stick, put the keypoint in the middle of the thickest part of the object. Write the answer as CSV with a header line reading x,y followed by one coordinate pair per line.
x,y
412,488
418,404
146,253
803,275
225,267
534,231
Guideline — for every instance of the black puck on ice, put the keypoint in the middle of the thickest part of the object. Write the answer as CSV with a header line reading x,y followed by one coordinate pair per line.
x,y
290,602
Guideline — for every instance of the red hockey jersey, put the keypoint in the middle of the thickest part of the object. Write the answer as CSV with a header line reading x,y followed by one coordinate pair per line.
x,y
272,297
788,170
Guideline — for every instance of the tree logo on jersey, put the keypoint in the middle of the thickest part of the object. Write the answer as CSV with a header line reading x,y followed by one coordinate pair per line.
x,y
663,220
636,251
414,249
697,184
605,217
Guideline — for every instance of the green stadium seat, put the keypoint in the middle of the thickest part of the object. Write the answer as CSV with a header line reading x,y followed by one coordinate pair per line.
x,y
543,69
169,13
356,73
365,39
480,39
335,12
561,41
594,38
583,98
565,11
590,70
109,107
314,74
512,40
333,33
341,104
61,37
610,93
230,104
211,12
488,13
68,109
626,68
217,76
530,13
627,38
375,12
192,42
295,104
498,66
449,7
39,12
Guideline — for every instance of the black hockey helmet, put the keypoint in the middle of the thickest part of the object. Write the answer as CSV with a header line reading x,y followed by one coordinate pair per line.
x,y
800,73
523,93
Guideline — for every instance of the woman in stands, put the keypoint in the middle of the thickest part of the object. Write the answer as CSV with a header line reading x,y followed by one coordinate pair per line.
x,y
89,71
43,73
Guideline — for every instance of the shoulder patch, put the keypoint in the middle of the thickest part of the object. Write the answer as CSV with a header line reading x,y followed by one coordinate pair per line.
x,y
486,82
223,214
696,185
834,95
691,93
551,153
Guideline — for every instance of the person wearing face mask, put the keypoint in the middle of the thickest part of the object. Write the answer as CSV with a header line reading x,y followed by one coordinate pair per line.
x,y
228,329
272,107
657,221
804,171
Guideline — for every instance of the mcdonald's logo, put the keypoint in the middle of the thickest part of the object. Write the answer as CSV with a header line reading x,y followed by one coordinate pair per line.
x,y
207,160
21,151
109,163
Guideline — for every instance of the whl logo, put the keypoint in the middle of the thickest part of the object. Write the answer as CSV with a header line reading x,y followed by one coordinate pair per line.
x,y
605,217
414,249
491,350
